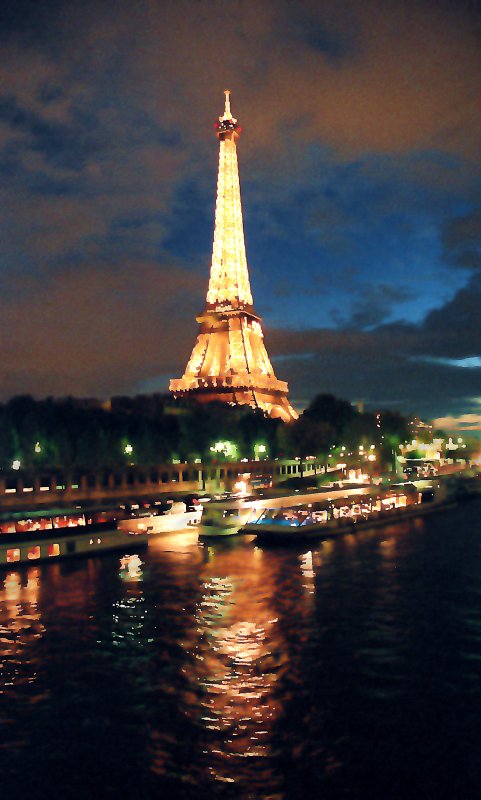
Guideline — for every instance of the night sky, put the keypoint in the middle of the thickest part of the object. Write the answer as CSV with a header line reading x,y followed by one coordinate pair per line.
x,y
360,176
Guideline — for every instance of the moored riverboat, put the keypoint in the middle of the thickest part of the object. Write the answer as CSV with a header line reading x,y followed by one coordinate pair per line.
x,y
166,518
39,521
330,518
224,520
229,517
18,548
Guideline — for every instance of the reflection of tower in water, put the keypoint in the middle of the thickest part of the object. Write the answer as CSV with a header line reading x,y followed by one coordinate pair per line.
x,y
232,666
242,687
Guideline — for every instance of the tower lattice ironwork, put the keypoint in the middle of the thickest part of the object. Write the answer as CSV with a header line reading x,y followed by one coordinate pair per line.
x,y
229,361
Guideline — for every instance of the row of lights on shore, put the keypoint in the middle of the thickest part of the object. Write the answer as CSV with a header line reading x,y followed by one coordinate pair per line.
x,y
368,453
260,450
16,463
218,447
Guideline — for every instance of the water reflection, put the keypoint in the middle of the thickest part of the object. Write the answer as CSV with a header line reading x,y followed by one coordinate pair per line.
x,y
20,627
234,665
310,564
240,672
131,568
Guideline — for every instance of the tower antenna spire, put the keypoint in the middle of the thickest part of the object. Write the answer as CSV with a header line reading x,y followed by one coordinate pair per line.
x,y
227,115
227,112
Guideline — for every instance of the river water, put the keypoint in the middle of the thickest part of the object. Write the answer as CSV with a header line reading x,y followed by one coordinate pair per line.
x,y
349,668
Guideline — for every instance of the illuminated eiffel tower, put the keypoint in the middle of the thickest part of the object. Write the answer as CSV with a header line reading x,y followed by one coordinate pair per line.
x,y
229,361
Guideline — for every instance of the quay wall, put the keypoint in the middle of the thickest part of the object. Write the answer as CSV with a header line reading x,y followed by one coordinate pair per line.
x,y
27,490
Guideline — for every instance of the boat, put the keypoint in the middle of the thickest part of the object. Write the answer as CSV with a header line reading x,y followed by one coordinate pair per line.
x,y
170,516
21,548
37,521
334,517
226,519
229,517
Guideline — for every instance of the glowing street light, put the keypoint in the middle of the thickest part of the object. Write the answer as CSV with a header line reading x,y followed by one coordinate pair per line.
x,y
260,450
229,449
16,464
37,447
128,449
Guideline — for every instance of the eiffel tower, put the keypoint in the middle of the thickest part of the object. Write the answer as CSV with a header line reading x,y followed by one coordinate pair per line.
x,y
229,361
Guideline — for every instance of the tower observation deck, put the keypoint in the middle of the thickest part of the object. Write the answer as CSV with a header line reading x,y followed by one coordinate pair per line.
x,y
229,361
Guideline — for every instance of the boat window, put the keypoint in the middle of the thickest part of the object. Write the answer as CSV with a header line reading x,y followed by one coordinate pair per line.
x,y
34,552
53,550
7,527
13,555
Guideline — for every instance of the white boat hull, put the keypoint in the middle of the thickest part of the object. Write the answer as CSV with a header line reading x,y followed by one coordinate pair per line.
x,y
161,523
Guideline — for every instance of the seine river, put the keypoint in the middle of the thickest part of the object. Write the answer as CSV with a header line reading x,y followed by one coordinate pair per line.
x,y
349,669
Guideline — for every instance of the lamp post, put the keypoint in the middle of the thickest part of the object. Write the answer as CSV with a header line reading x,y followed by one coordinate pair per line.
x,y
260,451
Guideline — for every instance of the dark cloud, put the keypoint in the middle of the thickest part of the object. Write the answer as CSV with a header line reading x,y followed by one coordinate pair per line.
x,y
454,331
462,240
392,364
376,303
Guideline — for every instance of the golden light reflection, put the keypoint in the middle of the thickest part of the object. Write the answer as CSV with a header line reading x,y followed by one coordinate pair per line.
x,y
176,542
307,570
20,627
234,660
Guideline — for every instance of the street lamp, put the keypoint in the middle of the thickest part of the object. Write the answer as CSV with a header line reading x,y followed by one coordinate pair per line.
x,y
260,450
228,449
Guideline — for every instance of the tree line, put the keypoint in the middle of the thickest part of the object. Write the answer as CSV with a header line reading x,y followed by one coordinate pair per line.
x,y
51,433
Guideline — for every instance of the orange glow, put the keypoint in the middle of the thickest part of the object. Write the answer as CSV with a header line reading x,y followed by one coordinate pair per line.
x,y
229,361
